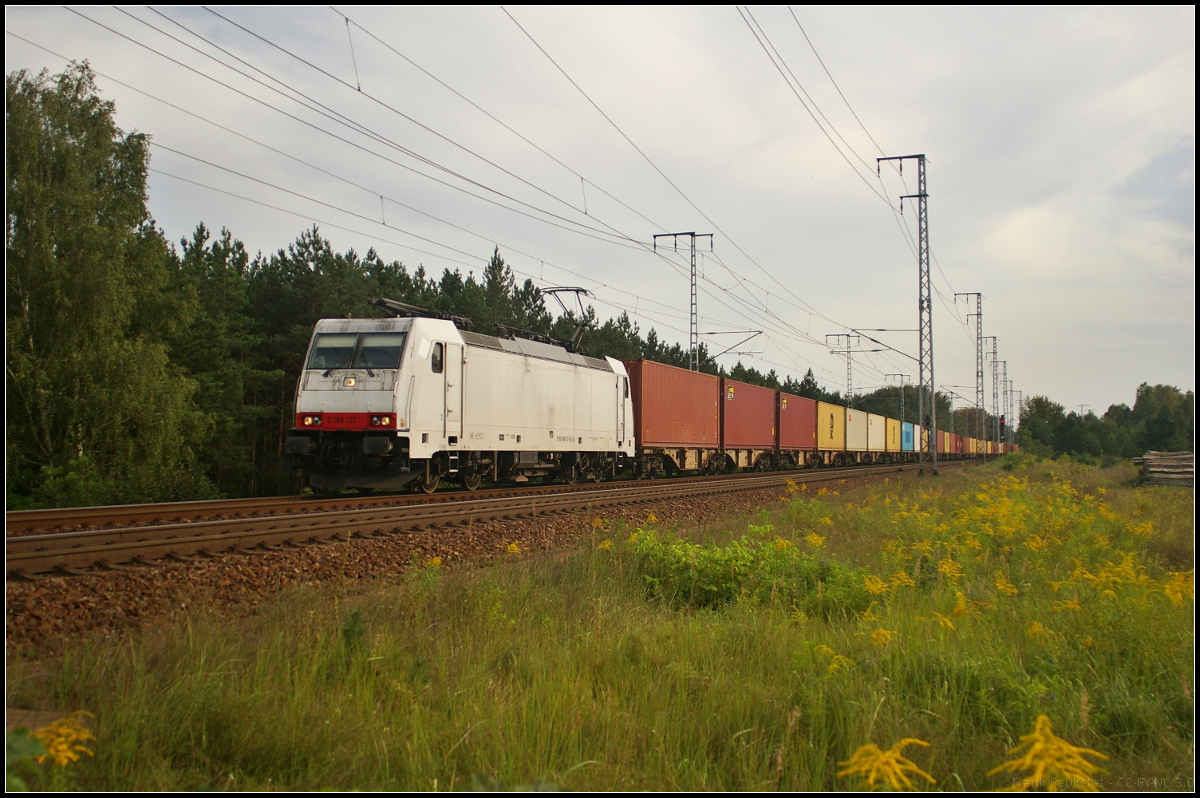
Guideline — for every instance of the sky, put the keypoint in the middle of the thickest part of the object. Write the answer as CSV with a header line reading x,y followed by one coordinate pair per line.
x,y
1059,144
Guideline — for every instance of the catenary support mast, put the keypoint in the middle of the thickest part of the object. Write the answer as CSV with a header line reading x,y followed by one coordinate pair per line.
x,y
694,332
927,446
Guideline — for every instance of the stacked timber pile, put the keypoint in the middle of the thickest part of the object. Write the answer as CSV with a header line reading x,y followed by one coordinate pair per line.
x,y
1167,468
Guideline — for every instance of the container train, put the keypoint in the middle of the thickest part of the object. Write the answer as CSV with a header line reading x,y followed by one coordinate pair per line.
x,y
385,403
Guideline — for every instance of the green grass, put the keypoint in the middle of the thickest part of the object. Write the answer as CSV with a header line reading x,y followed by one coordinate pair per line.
x,y
744,656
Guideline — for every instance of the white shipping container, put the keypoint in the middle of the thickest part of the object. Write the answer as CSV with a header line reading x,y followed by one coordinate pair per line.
x,y
856,430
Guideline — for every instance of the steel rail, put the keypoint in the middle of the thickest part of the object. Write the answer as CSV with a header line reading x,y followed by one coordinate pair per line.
x,y
26,522
66,552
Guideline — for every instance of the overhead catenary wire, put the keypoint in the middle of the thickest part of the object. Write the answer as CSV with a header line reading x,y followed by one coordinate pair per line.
x,y
740,306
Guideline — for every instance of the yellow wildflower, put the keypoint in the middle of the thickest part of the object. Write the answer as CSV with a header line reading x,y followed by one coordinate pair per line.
x,y
781,544
1052,761
1004,586
1037,631
881,637
815,540
1088,642
1063,606
652,519
900,578
824,650
1036,543
64,739
838,663
1182,585
633,537
868,615
823,492
598,522
950,569
873,763
605,544
514,548
790,485
874,584
827,521
434,562
942,620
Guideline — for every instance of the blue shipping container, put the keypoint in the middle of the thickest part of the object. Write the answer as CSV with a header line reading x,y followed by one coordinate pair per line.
x,y
906,436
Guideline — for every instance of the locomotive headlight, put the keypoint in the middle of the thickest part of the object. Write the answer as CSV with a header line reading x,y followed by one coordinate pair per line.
x,y
311,421
348,382
386,421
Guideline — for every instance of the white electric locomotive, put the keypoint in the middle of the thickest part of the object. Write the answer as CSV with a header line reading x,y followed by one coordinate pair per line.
x,y
382,403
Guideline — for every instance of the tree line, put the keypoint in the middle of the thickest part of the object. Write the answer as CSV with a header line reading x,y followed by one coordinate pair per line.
x,y
140,370
1162,418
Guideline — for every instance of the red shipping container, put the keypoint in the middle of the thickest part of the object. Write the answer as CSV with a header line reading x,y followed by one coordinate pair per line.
x,y
673,407
747,416
797,422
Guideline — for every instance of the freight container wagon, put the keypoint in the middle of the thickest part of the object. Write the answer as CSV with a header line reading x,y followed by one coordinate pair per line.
x,y
797,429
676,418
856,434
831,433
876,436
906,433
893,436
748,425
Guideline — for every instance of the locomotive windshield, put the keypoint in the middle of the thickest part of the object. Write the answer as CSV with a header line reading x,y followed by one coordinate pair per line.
x,y
371,350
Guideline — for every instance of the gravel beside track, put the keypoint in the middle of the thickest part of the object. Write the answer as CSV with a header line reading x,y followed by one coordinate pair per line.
x,y
47,614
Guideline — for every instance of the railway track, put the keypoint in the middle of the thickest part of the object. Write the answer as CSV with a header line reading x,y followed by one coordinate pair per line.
x,y
142,533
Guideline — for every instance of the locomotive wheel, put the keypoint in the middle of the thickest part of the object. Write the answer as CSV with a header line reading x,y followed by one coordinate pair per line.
x,y
428,485
471,473
570,474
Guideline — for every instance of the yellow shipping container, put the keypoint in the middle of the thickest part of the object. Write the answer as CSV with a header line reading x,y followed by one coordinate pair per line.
x,y
893,435
831,427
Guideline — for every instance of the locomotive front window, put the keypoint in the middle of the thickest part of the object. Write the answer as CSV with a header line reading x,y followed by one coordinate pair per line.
x,y
436,360
380,350
333,351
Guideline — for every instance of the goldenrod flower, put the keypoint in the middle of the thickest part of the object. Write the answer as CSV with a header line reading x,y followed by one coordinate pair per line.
x,y
814,540
781,544
598,522
874,584
652,519
1037,631
514,548
872,764
900,578
1004,586
950,569
838,663
1182,585
868,614
1052,760
790,485
1062,606
64,739
434,562
942,620
604,545
881,637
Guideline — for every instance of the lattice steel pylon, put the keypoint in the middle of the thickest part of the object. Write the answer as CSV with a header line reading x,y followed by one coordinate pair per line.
x,y
980,412
928,444
694,332
995,390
